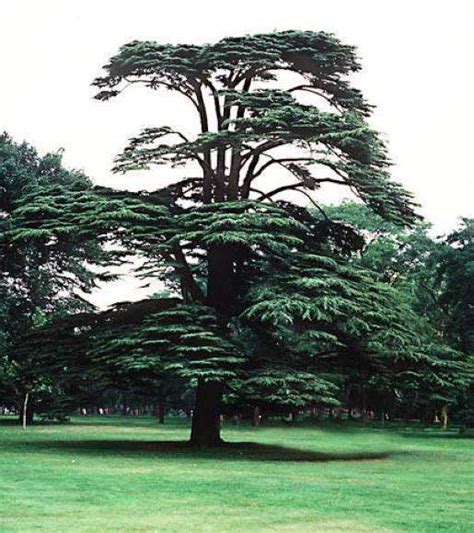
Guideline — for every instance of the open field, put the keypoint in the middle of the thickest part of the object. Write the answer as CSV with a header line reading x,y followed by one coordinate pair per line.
x,y
124,474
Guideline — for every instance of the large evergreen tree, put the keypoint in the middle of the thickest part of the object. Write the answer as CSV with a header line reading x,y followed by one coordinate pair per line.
x,y
244,261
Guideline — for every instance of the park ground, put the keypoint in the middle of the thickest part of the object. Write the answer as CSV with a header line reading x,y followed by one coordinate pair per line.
x,y
130,474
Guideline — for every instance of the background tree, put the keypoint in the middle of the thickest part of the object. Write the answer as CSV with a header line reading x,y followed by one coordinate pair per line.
x,y
455,280
419,267
40,278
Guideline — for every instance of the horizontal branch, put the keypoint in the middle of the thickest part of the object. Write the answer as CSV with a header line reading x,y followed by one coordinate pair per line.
x,y
295,187
310,89
279,161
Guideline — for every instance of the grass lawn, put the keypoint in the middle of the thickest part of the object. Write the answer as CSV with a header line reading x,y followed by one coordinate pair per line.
x,y
125,474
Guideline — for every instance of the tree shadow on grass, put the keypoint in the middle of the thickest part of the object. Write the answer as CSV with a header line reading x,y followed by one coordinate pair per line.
x,y
13,421
247,451
437,434
10,421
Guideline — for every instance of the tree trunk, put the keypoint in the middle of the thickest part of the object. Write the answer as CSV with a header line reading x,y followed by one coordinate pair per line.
x,y
444,417
160,412
221,280
206,428
25,415
29,412
292,416
257,416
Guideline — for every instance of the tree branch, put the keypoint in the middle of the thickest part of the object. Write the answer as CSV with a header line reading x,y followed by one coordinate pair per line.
x,y
254,154
164,84
294,187
310,89
279,161
189,287
208,171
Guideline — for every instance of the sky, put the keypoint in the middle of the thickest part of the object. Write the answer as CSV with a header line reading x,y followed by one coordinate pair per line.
x,y
418,70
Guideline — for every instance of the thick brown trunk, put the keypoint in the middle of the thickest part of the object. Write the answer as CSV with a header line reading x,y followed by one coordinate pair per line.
x,y
206,428
220,286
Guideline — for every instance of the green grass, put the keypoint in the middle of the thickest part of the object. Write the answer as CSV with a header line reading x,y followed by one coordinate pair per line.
x,y
125,474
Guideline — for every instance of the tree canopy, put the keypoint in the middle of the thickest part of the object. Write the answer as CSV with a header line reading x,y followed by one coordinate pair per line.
x,y
267,304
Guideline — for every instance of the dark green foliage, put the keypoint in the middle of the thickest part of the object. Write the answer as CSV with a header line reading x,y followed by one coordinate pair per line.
x,y
37,271
280,389
331,135
419,269
455,281
455,278
39,276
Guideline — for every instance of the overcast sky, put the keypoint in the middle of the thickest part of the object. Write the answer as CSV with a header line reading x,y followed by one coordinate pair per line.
x,y
418,69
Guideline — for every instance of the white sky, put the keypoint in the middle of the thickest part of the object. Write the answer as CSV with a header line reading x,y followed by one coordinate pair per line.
x,y
418,69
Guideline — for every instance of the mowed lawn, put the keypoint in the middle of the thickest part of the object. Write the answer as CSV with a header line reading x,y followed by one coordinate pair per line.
x,y
126,474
